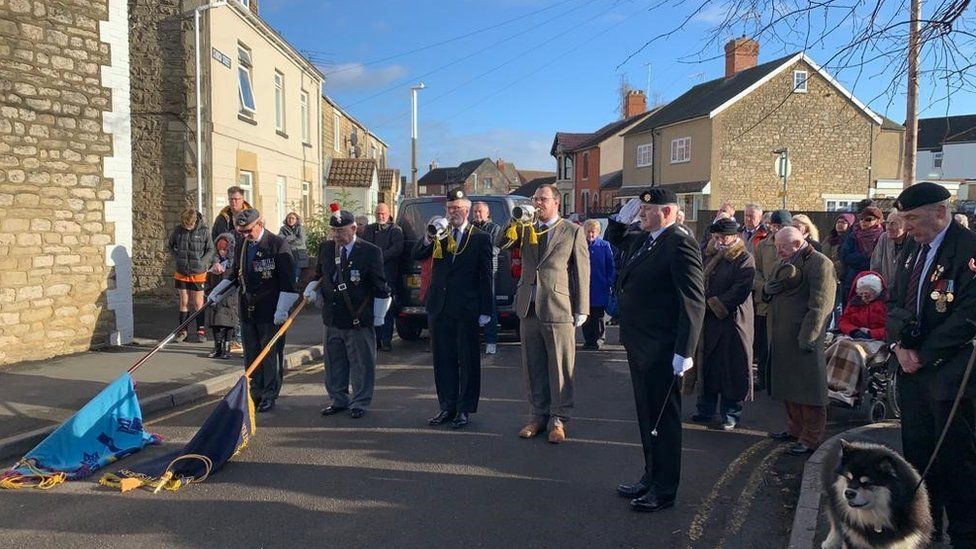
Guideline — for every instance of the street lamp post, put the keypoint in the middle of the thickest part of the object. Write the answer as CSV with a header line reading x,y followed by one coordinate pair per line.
x,y
783,168
413,139
196,49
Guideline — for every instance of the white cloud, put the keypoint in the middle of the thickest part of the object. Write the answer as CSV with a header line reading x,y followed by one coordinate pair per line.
x,y
714,14
358,77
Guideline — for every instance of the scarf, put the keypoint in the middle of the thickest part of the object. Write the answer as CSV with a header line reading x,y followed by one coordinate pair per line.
x,y
867,239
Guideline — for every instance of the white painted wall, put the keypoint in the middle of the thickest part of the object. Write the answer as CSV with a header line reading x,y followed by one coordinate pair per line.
x,y
958,162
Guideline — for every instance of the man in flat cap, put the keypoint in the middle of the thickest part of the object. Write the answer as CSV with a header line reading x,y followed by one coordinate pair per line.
x,y
351,281
662,306
552,300
930,307
265,274
458,302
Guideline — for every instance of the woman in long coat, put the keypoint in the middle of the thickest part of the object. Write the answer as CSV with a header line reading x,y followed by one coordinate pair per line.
x,y
726,344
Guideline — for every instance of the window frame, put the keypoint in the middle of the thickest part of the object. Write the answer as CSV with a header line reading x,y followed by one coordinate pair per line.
x,y
305,107
586,165
648,152
248,186
938,157
681,144
279,98
281,195
796,87
839,204
568,172
245,62
336,131
486,183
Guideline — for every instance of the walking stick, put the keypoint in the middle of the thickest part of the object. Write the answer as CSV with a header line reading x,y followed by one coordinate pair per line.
x,y
170,337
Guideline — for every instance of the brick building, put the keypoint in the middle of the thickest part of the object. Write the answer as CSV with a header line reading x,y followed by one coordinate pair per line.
x,y
65,177
481,176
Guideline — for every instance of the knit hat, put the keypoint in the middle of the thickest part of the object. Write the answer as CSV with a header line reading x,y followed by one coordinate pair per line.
x,y
781,217
871,282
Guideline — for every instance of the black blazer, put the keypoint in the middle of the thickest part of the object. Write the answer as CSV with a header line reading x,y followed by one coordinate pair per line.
x,y
460,285
270,272
364,281
661,292
945,337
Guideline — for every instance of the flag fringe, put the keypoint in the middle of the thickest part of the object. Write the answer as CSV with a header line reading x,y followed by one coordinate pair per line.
x,y
37,479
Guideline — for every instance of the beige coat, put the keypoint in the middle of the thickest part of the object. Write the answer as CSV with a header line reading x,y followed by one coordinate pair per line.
x,y
766,260
561,275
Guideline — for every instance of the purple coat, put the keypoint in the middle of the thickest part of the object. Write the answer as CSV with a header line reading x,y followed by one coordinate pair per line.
x,y
602,272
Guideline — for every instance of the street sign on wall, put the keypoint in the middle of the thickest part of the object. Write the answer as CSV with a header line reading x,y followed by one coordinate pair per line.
x,y
783,167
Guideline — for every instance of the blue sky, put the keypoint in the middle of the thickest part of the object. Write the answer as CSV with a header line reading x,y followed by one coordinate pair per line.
x,y
528,69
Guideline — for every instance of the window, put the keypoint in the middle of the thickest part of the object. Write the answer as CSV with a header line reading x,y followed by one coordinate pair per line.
x,y
486,182
690,204
246,3
681,150
245,180
306,200
372,151
282,188
279,95
245,89
585,201
937,159
336,132
303,101
566,204
645,155
800,81
836,205
586,165
567,167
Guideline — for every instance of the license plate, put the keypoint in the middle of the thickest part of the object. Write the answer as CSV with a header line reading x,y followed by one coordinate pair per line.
x,y
413,281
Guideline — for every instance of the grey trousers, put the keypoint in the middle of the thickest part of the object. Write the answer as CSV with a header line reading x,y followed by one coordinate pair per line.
x,y
350,357
548,360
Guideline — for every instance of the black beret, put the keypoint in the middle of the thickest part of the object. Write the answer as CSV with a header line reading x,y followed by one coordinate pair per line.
x,y
781,217
244,218
341,218
724,226
921,194
657,195
455,194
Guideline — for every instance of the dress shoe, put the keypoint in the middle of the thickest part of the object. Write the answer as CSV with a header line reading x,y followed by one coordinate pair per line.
x,y
702,418
650,503
782,436
631,491
442,417
386,346
532,429
490,348
332,410
557,434
357,413
729,424
460,420
266,405
799,449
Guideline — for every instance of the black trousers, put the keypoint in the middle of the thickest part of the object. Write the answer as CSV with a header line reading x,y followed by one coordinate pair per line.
x,y
952,480
267,378
760,348
594,327
655,389
457,362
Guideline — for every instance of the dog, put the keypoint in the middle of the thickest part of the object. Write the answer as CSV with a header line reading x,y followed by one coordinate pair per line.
x,y
872,501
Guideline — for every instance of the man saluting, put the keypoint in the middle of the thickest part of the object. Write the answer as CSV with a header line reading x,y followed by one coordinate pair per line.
x,y
662,306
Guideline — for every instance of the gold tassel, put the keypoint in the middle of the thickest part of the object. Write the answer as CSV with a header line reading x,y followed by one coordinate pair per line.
x,y
451,244
511,233
533,236
438,252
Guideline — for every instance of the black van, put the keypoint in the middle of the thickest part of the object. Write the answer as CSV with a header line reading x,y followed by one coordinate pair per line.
x,y
412,217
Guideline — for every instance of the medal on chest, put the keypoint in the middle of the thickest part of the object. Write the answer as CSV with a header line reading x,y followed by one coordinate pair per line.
x,y
942,294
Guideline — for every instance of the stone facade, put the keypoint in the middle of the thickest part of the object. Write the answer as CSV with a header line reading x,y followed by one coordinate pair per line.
x,y
64,177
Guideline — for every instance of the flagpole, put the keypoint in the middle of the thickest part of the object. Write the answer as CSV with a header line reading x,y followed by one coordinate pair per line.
x,y
168,338
281,331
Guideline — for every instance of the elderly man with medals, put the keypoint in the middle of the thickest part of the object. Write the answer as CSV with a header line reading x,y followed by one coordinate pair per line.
x,y
350,281
265,275
458,301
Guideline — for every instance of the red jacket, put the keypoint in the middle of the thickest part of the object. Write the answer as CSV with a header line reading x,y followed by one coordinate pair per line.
x,y
871,316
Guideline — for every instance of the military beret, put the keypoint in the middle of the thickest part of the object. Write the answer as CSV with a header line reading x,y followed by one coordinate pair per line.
x,y
871,211
455,194
657,195
340,218
724,226
244,218
921,194
781,217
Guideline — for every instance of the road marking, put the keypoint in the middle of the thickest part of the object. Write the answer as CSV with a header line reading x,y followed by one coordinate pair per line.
x,y
744,502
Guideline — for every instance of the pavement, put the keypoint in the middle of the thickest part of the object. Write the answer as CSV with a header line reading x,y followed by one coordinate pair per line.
x,y
35,397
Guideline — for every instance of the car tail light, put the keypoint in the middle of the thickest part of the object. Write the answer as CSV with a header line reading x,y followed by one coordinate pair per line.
x,y
516,258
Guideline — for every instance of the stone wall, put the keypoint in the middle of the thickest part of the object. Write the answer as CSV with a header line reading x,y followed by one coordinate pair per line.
x,y
59,258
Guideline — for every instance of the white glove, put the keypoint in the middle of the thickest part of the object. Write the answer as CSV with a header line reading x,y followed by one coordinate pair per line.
x,y
378,321
628,213
681,364
311,291
483,320
218,294
285,301
578,320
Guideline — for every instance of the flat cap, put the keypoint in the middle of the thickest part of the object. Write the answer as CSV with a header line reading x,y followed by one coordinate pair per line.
x,y
871,211
244,218
781,217
724,226
921,194
455,194
657,195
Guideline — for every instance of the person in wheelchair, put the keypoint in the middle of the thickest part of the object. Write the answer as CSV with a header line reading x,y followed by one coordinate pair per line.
x,y
861,334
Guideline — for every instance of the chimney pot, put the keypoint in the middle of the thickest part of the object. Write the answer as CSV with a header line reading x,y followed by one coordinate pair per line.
x,y
740,54
636,103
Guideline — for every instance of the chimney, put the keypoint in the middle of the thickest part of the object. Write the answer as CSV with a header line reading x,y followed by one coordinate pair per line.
x,y
431,166
500,164
635,103
740,54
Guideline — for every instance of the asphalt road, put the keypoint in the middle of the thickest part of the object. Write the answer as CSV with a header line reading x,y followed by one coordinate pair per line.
x,y
390,480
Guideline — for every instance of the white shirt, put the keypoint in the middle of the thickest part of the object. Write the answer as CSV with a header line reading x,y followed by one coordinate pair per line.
x,y
550,223
933,251
348,247
258,239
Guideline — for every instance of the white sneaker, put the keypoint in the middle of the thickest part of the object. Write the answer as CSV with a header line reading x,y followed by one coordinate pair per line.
x,y
490,348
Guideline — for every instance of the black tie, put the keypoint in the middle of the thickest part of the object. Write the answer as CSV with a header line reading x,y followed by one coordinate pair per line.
x,y
343,258
911,295
643,249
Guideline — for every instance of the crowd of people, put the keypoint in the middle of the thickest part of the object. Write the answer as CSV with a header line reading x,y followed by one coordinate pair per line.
x,y
761,305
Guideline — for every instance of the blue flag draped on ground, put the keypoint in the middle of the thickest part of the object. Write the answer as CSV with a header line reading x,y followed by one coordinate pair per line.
x,y
105,430
225,433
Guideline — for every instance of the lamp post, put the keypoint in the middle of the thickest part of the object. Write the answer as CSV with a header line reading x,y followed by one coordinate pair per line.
x,y
413,138
196,49
783,168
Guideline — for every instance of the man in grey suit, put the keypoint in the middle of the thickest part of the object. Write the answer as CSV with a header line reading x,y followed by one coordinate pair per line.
x,y
552,299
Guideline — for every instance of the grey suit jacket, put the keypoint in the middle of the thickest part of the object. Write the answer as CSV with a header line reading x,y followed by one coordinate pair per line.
x,y
561,275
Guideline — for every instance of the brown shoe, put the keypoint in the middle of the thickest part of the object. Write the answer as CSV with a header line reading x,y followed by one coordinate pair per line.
x,y
532,429
557,434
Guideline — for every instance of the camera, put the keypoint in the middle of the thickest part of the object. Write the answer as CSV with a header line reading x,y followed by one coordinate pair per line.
x,y
523,214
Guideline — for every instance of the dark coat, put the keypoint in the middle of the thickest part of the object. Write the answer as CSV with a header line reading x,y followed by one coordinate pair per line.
x,y
363,278
224,221
602,272
796,325
295,237
945,339
726,344
261,280
193,249
389,239
460,285
224,314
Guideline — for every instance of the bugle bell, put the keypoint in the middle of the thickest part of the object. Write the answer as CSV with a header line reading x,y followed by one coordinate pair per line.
x,y
523,214
437,228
